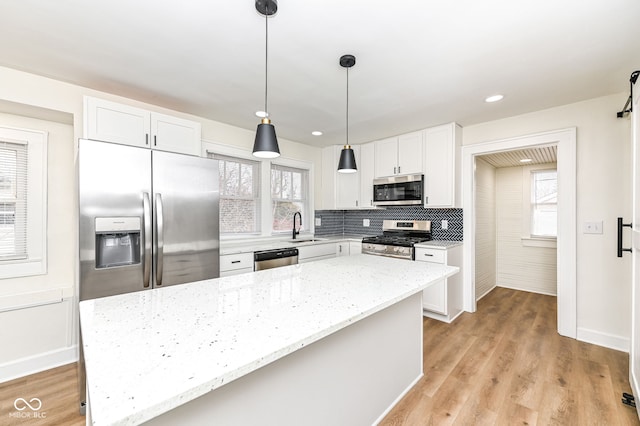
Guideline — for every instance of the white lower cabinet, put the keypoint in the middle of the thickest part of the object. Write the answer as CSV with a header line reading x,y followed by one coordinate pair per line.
x,y
234,264
442,300
316,252
343,249
355,247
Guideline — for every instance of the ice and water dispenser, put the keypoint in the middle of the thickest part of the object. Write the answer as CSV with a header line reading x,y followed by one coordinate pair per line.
x,y
117,241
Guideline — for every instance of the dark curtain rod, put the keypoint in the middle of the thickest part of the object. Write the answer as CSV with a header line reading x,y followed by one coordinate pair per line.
x,y
629,103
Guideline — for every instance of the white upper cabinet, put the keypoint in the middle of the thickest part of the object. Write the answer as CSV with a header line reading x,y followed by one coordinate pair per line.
x,y
339,190
441,163
113,122
400,155
367,172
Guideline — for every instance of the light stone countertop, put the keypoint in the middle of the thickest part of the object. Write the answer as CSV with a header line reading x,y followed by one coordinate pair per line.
x,y
439,244
150,351
258,244
250,245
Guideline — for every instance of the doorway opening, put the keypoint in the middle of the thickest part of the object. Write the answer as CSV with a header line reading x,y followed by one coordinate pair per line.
x,y
565,142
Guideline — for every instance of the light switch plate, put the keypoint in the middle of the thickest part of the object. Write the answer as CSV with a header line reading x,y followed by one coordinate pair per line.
x,y
318,221
592,227
365,222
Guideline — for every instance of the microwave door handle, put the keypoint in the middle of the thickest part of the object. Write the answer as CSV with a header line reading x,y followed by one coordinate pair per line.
x,y
159,239
146,222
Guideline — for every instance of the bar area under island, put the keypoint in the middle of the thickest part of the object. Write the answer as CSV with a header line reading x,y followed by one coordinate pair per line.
x,y
336,341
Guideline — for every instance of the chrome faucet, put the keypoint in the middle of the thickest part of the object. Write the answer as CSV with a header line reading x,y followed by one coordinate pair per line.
x,y
294,224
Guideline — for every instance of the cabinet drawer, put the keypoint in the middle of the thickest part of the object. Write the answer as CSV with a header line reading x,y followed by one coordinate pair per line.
x,y
430,255
230,262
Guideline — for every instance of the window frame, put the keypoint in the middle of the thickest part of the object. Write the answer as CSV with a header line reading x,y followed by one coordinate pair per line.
x,y
210,147
305,213
35,262
528,238
256,185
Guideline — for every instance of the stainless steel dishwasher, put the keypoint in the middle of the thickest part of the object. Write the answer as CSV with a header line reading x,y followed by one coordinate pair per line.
x,y
268,259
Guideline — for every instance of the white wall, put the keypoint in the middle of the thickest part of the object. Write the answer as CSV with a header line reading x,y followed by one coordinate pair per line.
x,y
485,182
519,266
37,338
603,193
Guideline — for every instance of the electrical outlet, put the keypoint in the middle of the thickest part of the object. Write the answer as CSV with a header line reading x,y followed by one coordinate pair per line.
x,y
592,228
444,224
365,222
318,221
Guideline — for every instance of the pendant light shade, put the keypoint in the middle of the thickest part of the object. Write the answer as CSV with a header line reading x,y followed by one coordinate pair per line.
x,y
266,143
347,163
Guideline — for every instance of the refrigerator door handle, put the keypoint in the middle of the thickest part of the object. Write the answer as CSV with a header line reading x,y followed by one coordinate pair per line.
x,y
146,209
160,238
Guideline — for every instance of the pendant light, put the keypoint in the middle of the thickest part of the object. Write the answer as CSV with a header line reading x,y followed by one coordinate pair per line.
x,y
266,143
347,163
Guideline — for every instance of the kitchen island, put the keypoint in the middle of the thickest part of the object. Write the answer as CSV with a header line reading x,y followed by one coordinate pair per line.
x,y
336,341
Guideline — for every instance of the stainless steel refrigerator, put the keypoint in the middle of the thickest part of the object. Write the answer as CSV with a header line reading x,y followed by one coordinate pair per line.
x,y
148,219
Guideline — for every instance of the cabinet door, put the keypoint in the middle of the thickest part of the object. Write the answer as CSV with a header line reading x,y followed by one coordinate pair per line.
x,y
441,147
342,249
347,184
386,157
175,134
355,248
410,153
366,168
113,122
434,297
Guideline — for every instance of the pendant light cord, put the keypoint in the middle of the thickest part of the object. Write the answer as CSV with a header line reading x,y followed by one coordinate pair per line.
x,y
347,106
266,57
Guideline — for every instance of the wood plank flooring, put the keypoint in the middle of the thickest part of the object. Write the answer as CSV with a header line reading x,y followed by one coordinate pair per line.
x,y
507,365
503,365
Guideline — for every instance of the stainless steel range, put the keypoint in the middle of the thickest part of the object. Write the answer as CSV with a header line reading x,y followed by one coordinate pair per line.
x,y
398,238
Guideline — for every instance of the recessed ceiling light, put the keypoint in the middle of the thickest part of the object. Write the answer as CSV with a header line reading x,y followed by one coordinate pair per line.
x,y
262,114
526,160
316,133
494,98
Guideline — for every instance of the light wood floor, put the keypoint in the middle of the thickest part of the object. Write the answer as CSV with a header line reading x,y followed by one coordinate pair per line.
x,y
503,365
507,365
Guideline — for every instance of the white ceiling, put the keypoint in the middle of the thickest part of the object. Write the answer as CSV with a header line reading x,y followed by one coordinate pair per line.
x,y
419,63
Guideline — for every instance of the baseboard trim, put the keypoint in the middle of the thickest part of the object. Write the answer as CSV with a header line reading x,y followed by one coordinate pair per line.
x,y
37,363
395,402
607,340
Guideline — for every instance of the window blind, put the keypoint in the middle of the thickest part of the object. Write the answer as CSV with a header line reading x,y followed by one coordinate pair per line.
x,y
13,200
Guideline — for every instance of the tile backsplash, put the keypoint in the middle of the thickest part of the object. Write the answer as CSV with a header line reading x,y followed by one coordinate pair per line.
x,y
338,222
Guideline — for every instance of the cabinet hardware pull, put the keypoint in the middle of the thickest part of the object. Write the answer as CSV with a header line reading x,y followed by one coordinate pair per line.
x,y
235,261
398,169
620,225
155,141
394,170
146,138
429,255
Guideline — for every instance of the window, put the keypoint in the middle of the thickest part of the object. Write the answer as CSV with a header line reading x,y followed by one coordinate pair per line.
x,y
289,188
13,200
239,195
23,174
544,203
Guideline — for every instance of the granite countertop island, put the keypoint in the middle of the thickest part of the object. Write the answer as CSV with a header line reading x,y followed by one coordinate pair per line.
x,y
149,352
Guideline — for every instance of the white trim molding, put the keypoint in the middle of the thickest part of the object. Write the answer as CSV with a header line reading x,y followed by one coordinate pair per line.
x,y
565,139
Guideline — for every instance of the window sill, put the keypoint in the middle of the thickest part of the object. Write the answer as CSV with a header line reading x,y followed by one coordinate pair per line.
x,y
539,242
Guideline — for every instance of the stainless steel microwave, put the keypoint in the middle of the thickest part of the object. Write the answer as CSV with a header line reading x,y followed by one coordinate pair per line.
x,y
405,190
